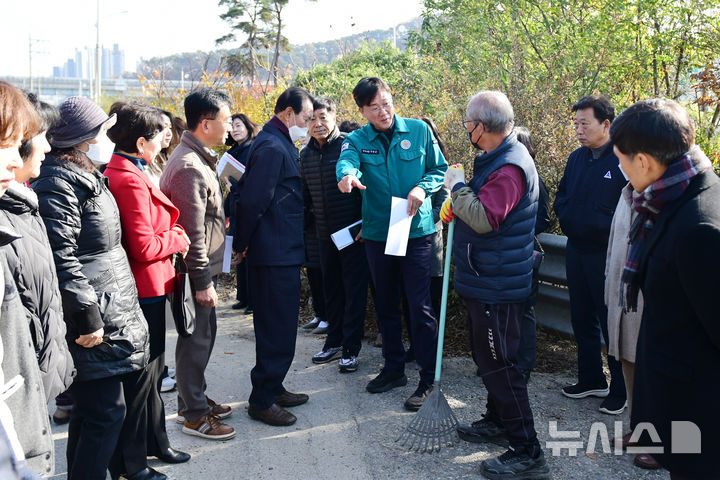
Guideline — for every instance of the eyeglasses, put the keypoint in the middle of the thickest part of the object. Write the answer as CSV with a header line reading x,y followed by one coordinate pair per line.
x,y
387,106
466,121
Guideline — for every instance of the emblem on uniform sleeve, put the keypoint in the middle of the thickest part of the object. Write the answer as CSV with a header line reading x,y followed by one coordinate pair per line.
x,y
344,147
405,144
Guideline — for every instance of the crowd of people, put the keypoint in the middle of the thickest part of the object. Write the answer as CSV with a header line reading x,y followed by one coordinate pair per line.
x,y
96,207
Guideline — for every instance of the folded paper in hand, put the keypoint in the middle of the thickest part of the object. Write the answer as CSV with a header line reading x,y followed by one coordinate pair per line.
x,y
346,236
399,228
228,166
227,255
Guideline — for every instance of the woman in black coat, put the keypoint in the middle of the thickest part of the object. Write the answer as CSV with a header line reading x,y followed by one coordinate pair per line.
x,y
240,139
106,331
673,259
30,261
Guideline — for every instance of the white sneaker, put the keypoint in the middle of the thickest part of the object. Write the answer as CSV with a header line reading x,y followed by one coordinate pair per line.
x,y
168,384
171,372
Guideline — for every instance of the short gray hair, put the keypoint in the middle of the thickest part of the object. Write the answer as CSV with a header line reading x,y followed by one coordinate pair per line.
x,y
491,108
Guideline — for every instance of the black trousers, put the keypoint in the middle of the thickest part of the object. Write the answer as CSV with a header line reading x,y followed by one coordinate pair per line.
x,y
528,329
275,315
413,271
243,284
494,337
345,279
130,454
108,426
317,290
588,315
157,439
435,298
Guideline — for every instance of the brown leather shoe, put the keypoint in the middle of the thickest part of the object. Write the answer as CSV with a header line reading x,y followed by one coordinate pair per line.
x,y
220,411
646,461
275,415
289,399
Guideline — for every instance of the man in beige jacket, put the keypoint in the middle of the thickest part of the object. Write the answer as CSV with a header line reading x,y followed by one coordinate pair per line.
x,y
190,181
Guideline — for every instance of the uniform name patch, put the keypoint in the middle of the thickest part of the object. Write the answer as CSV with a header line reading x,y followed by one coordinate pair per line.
x,y
370,151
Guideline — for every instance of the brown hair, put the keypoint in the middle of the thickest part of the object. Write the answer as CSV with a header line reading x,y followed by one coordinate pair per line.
x,y
18,118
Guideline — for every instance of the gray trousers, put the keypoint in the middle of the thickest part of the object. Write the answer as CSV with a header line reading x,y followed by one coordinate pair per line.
x,y
191,358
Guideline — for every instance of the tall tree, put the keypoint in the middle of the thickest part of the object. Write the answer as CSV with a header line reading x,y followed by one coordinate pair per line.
x,y
249,18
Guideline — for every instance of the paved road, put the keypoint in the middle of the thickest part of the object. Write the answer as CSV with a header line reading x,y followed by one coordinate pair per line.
x,y
343,432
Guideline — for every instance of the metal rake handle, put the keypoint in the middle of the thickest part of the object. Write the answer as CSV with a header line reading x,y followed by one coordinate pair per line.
x,y
443,303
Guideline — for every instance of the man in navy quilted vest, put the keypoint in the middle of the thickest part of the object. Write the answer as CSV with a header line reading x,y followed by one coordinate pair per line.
x,y
492,250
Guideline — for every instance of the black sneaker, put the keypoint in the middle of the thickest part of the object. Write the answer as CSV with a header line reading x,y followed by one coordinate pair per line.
x,y
386,381
520,464
483,431
578,390
327,355
416,400
613,405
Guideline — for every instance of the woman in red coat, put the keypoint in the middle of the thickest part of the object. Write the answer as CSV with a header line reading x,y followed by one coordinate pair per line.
x,y
150,237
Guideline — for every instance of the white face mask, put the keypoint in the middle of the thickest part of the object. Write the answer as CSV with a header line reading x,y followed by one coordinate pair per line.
x,y
623,172
100,153
296,133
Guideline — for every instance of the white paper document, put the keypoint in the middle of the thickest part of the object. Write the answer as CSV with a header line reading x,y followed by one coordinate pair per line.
x,y
228,166
228,255
343,238
399,228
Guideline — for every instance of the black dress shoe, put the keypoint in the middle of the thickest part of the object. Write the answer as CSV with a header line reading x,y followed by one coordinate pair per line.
x,y
239,305
275,415
146,473
289,399
248,310
173,456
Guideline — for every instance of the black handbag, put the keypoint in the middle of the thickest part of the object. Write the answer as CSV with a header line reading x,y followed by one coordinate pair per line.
x,y
183,303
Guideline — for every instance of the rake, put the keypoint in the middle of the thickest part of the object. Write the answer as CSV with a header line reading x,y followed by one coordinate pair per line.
x,y
435,425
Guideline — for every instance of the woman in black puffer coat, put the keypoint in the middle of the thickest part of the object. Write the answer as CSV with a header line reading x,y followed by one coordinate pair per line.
x,y
106,330
31,264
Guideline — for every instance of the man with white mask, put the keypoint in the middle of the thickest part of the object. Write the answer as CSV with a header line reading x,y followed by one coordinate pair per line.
x,y
269,231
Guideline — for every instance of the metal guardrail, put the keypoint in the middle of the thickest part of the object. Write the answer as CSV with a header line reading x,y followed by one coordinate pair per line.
x,y
553,304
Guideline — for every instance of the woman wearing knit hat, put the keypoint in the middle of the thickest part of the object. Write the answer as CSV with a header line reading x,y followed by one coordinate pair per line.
x,y
106,330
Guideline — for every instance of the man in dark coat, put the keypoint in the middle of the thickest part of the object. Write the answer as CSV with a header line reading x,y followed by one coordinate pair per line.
x,y
673,259
269,232
345,272
585,202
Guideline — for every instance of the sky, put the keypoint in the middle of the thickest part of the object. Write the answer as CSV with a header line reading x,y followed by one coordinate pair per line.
x,y
53,29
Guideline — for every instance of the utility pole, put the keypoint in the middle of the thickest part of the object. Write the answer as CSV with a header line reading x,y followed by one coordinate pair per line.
x,y
98,61
31,43
30,60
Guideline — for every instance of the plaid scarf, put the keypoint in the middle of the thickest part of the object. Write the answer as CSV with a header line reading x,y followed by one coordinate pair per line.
x,y
663,191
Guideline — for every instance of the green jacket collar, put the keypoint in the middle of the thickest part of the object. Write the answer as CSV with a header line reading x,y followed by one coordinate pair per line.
x,y
398,121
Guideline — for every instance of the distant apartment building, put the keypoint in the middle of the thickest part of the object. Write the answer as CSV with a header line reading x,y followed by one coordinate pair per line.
x,y
112,64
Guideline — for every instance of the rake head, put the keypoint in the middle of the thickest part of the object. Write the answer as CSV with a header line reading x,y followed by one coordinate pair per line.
x,y
433,427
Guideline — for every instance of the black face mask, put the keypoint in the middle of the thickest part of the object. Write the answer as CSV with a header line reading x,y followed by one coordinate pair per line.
x,y
470,134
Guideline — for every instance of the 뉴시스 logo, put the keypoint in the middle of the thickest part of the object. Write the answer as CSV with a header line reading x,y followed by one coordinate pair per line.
x,y
685,438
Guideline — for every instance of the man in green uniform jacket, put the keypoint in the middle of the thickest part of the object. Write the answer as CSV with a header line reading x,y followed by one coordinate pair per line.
x,y
389,157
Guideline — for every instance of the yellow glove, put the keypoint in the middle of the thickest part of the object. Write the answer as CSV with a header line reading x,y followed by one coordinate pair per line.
x,y
446,212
